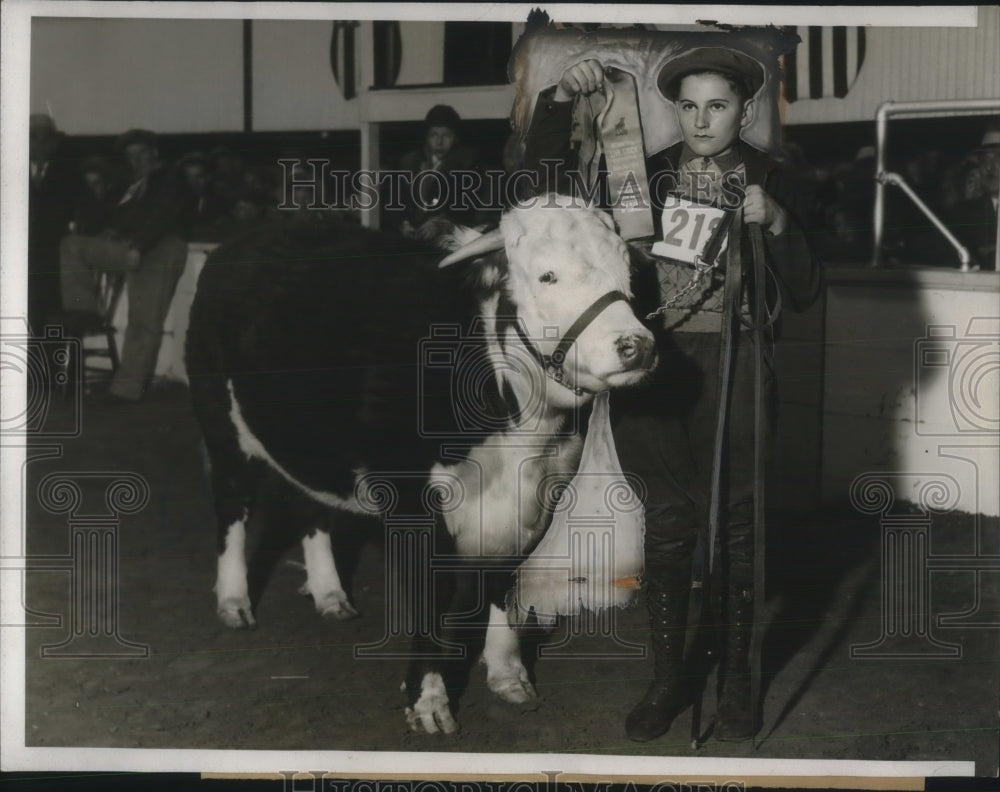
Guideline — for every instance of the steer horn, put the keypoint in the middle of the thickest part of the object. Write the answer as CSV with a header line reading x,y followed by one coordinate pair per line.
x,y
480,246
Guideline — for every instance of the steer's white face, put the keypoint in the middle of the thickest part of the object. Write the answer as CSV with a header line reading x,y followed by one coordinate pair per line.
x,y
560,261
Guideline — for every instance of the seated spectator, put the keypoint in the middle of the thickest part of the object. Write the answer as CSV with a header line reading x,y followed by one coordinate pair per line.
x,y
971,182
146,239
249,210
226,168
53,189
100,195
974,219
443,152
300,195
209,208
847,237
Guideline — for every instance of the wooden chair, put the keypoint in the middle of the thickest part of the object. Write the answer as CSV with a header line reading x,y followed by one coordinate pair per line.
x,y
111,287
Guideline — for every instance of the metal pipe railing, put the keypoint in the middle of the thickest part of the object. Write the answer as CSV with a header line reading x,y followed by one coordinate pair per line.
x,y
963,252
882,177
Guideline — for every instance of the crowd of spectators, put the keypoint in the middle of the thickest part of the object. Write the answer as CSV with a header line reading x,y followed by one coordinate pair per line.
x,y
960,188
130,212
213,195
223,196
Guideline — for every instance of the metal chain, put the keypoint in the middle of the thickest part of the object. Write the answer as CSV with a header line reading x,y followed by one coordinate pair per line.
x,y
701,269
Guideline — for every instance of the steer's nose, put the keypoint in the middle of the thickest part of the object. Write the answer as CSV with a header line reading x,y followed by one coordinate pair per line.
x,y
635,351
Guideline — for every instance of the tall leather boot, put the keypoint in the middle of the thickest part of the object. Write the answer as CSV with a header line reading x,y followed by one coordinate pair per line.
x,y
735,718
667,591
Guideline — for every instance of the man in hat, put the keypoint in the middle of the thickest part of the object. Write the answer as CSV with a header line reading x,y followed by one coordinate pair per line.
x,y
974,219
432,197
665,428
147,240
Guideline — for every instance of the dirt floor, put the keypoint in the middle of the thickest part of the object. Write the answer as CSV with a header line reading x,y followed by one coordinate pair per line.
x,y
294,683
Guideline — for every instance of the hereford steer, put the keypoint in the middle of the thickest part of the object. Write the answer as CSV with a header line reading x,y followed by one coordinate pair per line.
x,y
355,364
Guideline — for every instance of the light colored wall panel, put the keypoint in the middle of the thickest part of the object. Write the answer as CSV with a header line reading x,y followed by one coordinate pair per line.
x,y
293,83
102,76
423,53
905,64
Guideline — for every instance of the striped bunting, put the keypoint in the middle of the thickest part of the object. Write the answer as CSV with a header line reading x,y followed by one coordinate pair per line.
x,y
342,54
826,62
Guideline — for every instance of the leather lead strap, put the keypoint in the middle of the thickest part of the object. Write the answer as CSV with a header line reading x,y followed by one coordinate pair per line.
x,y
730,319
759,339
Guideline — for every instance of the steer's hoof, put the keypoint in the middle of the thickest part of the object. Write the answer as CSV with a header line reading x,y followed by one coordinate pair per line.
x,y
431,713
513,689
336,606
431,720
236,613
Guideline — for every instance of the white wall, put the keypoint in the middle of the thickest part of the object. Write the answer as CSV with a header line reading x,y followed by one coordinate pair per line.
x,y
906,64
293,83
103,76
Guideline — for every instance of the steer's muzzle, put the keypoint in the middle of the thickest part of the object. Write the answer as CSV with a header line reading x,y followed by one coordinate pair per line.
x,y
636,352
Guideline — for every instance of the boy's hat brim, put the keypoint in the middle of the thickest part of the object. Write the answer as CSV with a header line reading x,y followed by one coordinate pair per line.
x,y
716,59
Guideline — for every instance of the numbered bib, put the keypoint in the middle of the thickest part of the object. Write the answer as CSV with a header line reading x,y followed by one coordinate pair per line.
x,y
688,229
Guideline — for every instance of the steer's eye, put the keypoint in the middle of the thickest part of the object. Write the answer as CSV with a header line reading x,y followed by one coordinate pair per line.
x,y
548,277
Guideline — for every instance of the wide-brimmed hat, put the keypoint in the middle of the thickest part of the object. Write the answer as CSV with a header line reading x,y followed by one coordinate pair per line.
x,y
716,59
990,141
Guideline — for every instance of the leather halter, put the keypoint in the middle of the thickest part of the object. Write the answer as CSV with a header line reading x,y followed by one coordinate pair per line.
x,y
553,365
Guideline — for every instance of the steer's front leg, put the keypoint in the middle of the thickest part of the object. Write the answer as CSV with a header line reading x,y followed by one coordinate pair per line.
x,y
505,672
441,656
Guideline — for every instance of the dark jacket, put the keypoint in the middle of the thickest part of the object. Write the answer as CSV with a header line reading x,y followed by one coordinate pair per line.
x,y
797,271
460,158
50,203
164,208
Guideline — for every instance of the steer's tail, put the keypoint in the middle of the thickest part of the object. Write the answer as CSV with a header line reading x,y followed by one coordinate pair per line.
x,y
211,359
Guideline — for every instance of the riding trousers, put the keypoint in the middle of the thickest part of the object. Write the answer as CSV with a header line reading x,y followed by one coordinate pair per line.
x,y
664,433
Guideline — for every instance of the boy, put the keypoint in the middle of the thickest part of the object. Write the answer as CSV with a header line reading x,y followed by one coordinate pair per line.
x,y
665,430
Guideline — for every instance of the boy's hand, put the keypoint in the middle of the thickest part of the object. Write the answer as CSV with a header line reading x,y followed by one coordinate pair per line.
x,y
759,207
584,78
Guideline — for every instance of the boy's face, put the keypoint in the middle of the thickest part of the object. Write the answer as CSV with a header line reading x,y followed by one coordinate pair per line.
x,y
711,114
